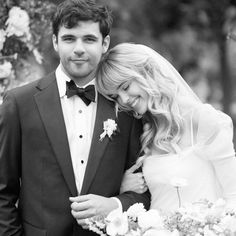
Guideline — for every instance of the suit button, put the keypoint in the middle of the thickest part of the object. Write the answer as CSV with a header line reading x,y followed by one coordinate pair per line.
x,y
81,136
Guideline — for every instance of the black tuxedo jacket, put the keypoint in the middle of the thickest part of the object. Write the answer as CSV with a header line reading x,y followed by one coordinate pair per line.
x,y
36,174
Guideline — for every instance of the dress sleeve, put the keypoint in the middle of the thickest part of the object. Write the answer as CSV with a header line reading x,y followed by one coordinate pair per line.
x,y
215,144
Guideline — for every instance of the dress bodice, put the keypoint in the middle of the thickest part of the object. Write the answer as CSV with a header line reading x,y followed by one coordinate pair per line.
x,y
208,166
160,172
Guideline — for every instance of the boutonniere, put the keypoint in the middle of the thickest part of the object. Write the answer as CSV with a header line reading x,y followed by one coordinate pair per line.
x,y
109,127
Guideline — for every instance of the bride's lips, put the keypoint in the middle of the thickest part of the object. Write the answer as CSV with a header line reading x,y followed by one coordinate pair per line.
x,y
134,102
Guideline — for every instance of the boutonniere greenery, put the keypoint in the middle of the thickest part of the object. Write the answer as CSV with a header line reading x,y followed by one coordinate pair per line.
x,y
109,127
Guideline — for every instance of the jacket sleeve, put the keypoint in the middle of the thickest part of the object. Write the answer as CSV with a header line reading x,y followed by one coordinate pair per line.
x,y
129,198
10,159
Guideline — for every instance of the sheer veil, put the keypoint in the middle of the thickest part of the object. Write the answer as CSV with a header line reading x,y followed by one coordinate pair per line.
x,y
183,91
168,70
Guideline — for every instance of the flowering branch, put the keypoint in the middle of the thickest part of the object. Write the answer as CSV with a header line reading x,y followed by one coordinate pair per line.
x,y
23,25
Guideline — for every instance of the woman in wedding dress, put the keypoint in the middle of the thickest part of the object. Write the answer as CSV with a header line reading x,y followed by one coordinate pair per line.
x,y
187,145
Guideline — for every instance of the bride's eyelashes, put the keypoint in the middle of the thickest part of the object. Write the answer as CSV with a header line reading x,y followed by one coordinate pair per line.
x,y
125,87
114,96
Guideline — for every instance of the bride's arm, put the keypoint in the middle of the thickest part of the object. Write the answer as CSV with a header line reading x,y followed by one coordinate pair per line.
x,y
218,148
224,162
133,181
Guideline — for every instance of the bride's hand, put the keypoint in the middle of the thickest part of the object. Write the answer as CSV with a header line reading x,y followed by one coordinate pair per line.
x,y
133,181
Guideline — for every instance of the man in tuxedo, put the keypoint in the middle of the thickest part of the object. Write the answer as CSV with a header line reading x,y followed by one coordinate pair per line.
x,y
55,170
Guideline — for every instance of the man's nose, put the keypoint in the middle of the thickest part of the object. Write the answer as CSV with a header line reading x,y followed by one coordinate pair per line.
x,y
79,47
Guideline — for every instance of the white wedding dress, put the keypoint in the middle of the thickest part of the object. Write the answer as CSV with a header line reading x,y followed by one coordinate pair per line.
x,y
208,164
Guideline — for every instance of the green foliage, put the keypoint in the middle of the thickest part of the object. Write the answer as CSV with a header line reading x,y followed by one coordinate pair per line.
x,y
39,12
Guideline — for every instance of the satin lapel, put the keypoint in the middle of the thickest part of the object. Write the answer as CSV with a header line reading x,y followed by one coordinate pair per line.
x,y
49,107
105,110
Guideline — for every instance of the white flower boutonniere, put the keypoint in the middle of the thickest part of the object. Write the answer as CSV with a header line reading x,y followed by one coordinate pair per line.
x,y
109,127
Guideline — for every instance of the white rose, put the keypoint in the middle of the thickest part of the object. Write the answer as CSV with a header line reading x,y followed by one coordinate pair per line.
x,y
109,126
18,22
136,232
117,223
208,232
175,233
229,222
218,208
135,210
5,69
155,232
150,219
2,38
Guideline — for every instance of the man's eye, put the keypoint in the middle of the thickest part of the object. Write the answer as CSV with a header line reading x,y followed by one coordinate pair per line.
x,y
90,40
68,39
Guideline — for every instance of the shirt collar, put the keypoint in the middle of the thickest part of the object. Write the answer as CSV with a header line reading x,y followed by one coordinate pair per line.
x,y
62,78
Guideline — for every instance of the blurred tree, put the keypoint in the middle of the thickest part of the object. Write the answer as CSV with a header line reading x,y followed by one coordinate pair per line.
x,y
209,18
184,31
212,20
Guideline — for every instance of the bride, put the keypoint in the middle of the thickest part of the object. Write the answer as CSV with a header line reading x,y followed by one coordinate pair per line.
x,y
183,139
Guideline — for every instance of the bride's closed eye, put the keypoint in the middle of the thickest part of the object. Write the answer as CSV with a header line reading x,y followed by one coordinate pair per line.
x,y
125,87
114,97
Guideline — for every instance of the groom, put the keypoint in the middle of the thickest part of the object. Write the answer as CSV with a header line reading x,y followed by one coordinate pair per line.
x,y
51,155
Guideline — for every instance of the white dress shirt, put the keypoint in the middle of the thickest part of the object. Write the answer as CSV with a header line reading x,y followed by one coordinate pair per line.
x,y
79,120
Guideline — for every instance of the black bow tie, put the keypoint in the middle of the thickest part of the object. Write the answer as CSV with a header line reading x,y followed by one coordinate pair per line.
x,y
86,94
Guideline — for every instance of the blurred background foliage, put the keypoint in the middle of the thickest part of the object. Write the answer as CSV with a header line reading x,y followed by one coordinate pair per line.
x,y
192,35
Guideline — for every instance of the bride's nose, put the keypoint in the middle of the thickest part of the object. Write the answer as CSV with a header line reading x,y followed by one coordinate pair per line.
x,y
123,97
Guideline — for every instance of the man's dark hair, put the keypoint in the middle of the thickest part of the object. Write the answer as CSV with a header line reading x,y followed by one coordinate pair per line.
x,y
70,12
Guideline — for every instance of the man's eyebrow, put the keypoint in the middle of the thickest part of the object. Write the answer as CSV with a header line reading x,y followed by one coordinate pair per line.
x,y
67,35
91,35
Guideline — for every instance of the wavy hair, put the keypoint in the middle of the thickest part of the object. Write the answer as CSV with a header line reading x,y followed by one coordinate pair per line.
x,y
69,12
126,62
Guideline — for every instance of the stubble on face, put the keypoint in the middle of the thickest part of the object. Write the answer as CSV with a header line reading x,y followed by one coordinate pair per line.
x,y
80,50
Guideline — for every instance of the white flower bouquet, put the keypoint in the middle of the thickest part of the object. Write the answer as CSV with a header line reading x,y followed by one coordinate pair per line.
x,y
196,219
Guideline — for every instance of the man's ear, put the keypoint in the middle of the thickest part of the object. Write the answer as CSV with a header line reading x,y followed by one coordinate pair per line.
x,y
105,44
54,42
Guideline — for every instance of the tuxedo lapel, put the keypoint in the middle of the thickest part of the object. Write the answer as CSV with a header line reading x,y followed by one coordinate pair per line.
x,y
49,106
105,110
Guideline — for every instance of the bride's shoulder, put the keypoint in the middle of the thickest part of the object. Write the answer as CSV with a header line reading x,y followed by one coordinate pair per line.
x,y
211,116
211,122
215,134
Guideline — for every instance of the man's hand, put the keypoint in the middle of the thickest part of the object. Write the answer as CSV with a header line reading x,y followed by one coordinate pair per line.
x,y
86,206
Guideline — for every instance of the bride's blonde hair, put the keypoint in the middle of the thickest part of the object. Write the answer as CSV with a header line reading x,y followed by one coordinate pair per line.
x,y
127,62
